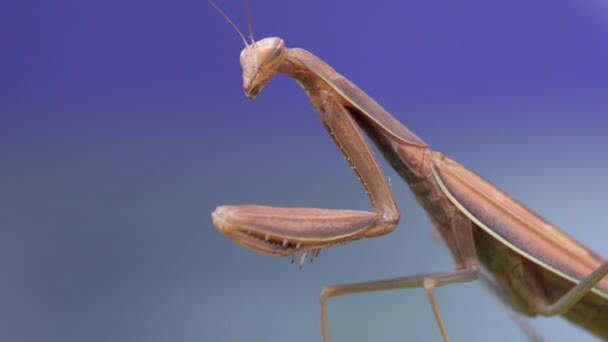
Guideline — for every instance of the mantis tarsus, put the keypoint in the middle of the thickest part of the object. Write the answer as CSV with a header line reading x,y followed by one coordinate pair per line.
x,y
533,266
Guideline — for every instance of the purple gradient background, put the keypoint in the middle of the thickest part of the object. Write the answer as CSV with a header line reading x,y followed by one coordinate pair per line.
x,y
124,124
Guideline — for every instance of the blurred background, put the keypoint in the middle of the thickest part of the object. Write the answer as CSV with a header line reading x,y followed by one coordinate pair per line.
x,y
123,124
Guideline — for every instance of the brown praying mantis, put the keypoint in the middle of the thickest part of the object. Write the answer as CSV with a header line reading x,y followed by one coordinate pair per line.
x,y
530,264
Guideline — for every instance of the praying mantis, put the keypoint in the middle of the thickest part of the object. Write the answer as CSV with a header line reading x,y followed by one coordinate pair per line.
x,y
530,264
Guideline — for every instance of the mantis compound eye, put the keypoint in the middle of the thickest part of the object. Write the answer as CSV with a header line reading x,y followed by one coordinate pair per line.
x,y
270,52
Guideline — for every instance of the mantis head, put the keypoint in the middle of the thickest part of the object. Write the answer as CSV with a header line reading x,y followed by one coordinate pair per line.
x,y
260,62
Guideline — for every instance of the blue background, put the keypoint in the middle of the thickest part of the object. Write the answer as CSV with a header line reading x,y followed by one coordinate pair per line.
x,y
124,124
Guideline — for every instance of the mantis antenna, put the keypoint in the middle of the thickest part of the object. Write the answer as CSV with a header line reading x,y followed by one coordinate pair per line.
x,y
249,21
232,23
